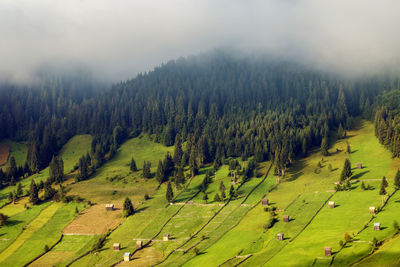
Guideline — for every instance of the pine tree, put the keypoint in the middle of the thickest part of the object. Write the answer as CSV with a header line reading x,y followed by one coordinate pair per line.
x,y
178,153
170,194
33,193
128,207
324,147
147,169
397,179
347,168
382,191
19,190
133,165
384,182
217,198
160,174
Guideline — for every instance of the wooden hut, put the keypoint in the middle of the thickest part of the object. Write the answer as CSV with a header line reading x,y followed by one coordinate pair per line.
x,y
116,246
127,256
371,209
265,202
109,206
377,226
139,244
286,218
166,237
331,204
328,251
359,165
279,236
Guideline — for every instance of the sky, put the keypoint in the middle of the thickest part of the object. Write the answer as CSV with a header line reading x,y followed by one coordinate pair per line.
x,y
116,39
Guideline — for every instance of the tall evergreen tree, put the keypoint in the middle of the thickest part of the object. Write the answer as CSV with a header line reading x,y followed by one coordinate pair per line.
x,y
170,193
324,147
347,168
128,207
132,165
160,174
33,193
397,179
19,190
146,169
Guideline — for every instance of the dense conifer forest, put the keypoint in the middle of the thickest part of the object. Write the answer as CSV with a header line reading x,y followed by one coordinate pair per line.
x,y
221,105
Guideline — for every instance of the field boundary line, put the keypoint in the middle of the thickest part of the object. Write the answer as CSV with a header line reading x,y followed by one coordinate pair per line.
x,y
162,227
245,259
37,257
305,226
208,222
365,227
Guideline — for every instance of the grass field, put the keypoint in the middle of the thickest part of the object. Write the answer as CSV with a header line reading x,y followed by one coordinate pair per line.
x,y
10,148
75,148
235,233
43,230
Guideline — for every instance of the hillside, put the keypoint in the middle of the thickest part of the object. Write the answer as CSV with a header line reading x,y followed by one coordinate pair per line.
x,y
210,233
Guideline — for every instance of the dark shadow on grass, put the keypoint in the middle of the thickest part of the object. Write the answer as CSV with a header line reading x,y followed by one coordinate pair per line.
x,y
358,175
141,209
13,222
354,151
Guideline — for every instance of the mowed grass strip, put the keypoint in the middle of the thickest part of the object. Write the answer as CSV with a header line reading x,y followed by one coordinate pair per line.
x,y
30,229
48,234
69,248
15,224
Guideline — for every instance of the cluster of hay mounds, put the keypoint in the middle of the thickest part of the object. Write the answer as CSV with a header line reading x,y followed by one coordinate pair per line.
x,y
144,257
4,152
95,220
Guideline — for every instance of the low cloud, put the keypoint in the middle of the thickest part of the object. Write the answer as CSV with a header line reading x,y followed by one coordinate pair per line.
x,y
116,39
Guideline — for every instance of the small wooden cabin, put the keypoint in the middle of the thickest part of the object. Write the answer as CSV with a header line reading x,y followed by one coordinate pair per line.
x,y
139,244
265,202
127,256
371,209
109,206
279,236
359,165
331,204
328,251
166,237
116,246
377,226
286,218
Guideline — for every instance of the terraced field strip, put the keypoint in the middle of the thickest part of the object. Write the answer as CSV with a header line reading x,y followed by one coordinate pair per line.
x,y
215,215
33,226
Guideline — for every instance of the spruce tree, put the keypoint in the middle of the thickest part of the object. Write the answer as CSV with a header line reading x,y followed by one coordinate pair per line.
x,y
19,190
146,169
180,176
217,198
382,191
33,193
397,179
128,207
170,194
178,153
324,147
160,174
384,182
347,168
132,166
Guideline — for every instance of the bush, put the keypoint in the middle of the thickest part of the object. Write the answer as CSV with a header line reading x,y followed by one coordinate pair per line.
x,y
46,248
396,226
347,237
146,197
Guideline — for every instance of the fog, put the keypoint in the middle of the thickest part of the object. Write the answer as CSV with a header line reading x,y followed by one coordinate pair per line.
x,y
116,39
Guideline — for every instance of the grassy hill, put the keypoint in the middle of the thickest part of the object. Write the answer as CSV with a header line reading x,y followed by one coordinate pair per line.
x,y
209,233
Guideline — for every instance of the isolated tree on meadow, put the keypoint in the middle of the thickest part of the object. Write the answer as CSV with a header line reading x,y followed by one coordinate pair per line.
x,y
146,169
324,147
346,172
384,182
133,166
19,190
160,173
170,194
128,207
3,219
33,193
217,198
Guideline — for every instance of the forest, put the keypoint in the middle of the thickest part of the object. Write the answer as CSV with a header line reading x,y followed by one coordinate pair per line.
x,y
220,105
